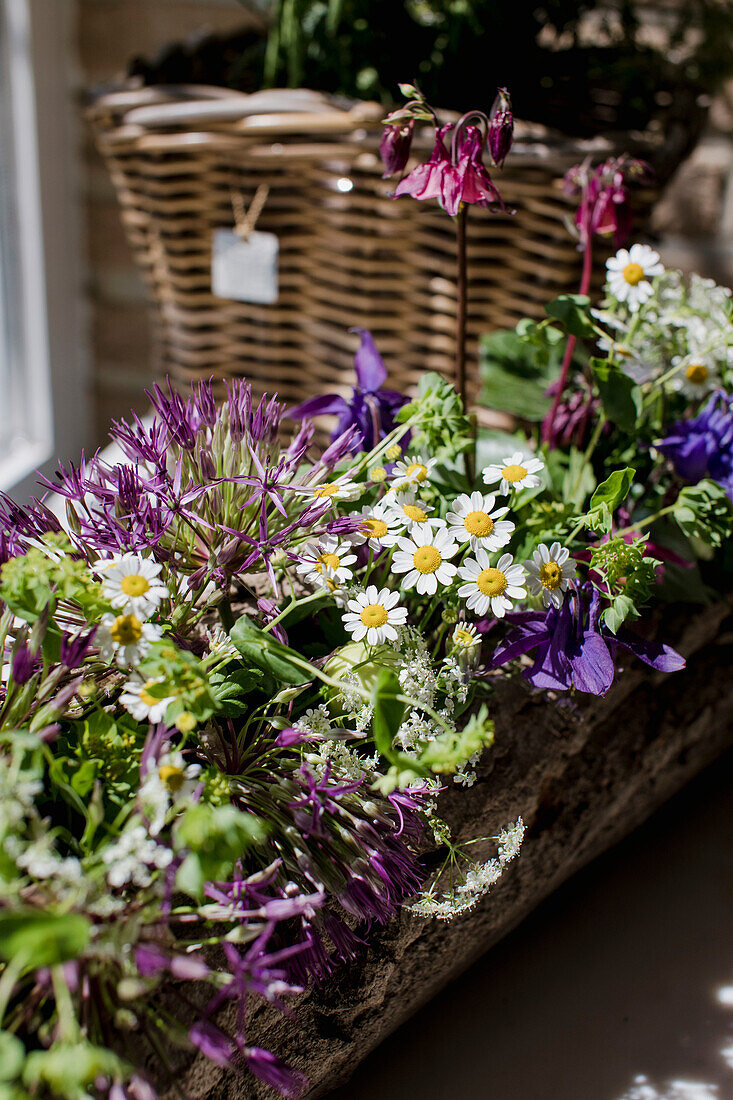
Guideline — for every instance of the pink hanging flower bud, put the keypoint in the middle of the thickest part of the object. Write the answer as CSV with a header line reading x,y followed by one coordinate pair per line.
x,y
501,128
394,148
604,209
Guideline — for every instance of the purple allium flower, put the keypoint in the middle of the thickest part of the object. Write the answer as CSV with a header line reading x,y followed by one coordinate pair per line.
x,y
501,128
212,1042
371,409
574,649
603,197
24,664
703,445
288,1082
151,960
75,648
394,148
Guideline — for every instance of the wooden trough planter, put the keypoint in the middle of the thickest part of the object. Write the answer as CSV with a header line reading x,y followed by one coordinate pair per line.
x,y
583,773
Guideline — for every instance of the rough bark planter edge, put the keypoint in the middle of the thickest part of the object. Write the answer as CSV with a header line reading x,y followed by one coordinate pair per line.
x,y
583,773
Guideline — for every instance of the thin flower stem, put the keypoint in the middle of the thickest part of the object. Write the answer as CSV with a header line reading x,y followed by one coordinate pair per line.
x,y
548,427
461,301
295,603
647,521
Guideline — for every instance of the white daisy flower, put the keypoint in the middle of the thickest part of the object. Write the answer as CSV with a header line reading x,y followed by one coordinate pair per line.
x,y
424,558
410,510
475,519
517,471
549,573
328,552
138,701
697,376
466,636
131,583
378,525
413,470
342,488
493,587
125,638
373,615
629,272
167,780
330,581
220,644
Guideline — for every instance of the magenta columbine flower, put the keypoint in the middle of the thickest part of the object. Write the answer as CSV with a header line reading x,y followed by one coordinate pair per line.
x,y
394,148
603,197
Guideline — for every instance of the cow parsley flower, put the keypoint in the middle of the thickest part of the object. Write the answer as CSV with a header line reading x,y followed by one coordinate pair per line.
x,y
125,638
140,703
134,856
327,553
629,272
131,583
474,518
517,471
549,573
424,558
373,615
491,587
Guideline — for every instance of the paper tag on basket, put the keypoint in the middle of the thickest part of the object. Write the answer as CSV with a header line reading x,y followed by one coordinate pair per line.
x,y
244,270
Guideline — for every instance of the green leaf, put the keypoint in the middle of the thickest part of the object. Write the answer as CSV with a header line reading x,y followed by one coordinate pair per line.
x,y
704,512
613,491
265,652
620,396
388,711
573,313
42,938
216,836
515,375
12,1056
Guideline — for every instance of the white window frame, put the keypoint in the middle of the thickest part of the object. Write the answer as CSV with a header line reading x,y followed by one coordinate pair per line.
x,y
51,339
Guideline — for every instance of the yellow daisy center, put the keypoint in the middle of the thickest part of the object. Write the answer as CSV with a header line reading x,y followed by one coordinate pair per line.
x,y
145,696
514,472
697,373
374,615
134,584
463,637
172,776
414,513
550,575
126,630
633,274
376,528
491,582
393,452
377,473
417,471
329,489
426,559
479,524
186,722
327,559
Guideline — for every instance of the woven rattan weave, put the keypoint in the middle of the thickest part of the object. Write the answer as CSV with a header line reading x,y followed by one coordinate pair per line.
x,y
185,161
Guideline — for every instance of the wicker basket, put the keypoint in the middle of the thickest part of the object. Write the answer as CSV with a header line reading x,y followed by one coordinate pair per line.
x,y
185,161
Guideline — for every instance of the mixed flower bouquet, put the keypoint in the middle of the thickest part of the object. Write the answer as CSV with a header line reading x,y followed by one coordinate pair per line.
x,y
238,667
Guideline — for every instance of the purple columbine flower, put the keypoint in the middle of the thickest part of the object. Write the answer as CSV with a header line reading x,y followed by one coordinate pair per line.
x,y
394,148
703,445
501,128
574,649
603,197
371,409
455,178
